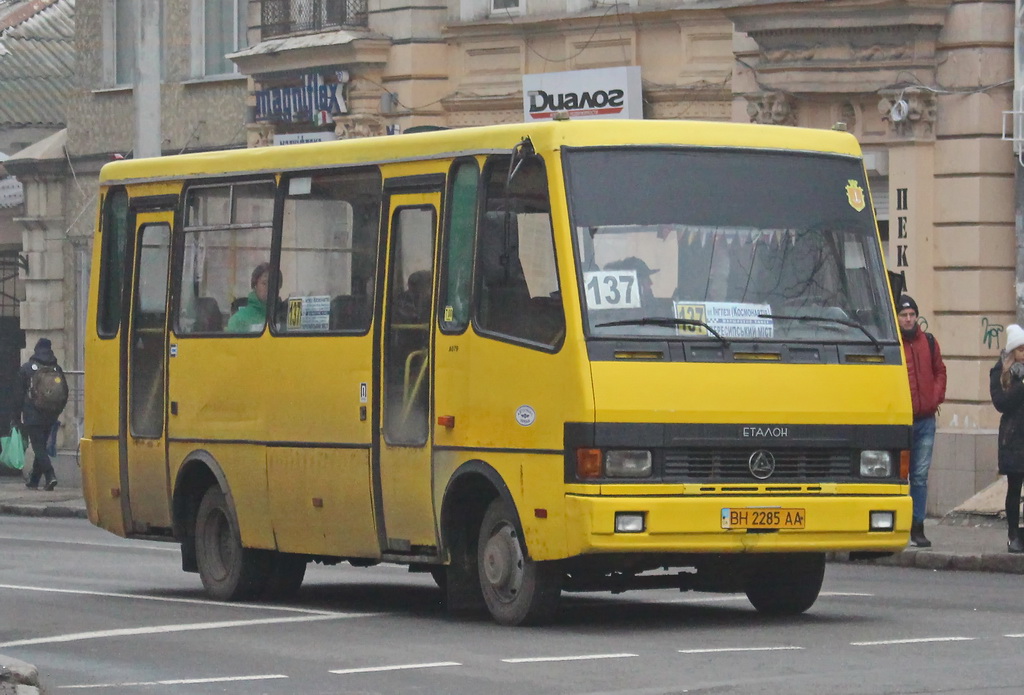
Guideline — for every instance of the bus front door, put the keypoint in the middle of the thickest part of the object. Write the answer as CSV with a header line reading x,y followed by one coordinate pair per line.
x,y
144,461
406,517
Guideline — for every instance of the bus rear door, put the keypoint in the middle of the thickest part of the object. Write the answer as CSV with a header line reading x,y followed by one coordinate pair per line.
x,y
404,451
145,439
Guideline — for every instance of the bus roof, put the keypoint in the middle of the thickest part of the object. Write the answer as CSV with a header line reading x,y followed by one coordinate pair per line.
x,y
546,136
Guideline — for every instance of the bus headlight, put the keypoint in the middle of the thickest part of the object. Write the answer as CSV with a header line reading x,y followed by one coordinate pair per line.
x,y
627,464
630,522
882,521
875,464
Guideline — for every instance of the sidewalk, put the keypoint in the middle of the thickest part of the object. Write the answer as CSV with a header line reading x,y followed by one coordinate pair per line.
x,y
65,501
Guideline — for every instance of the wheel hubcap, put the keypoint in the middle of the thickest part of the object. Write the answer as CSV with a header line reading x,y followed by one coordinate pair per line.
x,y
503,563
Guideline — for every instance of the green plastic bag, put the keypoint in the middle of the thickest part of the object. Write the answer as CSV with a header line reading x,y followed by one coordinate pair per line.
x,y
12,450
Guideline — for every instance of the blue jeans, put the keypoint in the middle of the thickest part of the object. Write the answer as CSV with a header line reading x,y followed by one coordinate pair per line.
x,y
920,462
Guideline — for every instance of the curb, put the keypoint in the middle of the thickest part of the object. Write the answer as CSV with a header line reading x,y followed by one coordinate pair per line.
x,y
1005,563
54,511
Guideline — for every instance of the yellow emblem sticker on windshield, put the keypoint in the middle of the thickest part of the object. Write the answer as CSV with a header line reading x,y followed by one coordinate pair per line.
x,y
855,195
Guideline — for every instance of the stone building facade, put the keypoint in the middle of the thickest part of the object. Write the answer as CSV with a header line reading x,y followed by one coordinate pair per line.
x,y
921,83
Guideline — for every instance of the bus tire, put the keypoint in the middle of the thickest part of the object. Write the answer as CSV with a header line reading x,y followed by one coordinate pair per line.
x,y
516,589
229,571
287,571
785,584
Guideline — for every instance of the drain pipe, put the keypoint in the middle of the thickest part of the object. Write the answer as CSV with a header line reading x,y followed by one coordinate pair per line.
x,y
1017,134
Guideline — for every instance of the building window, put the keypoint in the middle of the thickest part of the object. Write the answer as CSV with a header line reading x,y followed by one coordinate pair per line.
x,y
120,36
124,41
219,28
506,6
283,17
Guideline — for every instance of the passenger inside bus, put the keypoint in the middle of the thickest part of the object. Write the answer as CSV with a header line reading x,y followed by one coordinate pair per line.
x,y
208,316
252,317
413,305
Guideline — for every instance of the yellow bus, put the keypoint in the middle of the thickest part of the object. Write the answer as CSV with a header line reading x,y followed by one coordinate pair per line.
x,y
527,359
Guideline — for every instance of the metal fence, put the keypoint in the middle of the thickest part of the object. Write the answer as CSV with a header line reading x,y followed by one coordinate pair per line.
x,y
283,17
72,420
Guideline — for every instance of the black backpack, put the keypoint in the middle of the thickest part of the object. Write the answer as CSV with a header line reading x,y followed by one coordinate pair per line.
x,y
48,390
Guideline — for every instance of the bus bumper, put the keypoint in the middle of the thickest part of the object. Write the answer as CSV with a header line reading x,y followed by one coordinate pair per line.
x,y
695,524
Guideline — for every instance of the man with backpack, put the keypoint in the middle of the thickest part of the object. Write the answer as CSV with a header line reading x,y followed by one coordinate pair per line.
x,y
39,402
927,373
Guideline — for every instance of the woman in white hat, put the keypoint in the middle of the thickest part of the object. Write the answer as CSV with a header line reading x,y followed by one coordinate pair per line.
x,y
1006,384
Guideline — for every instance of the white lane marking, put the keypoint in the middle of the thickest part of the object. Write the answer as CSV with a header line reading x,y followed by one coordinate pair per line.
x,y
1016,635
741,597
708,599
168,599
401,667
787,647
186,681
580,657
163,629
912,640
134,545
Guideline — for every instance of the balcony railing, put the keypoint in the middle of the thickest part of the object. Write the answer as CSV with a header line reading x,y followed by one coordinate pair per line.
x,y
283,17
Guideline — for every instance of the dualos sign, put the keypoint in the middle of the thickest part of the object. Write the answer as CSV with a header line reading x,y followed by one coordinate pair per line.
x,y
601,93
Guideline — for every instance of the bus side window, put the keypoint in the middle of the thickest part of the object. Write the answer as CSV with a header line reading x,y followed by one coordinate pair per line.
x,y
517,280
227,235
114,238
457,263
328,252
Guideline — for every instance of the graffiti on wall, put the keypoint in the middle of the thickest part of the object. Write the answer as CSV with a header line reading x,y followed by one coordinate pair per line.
x,y
990,333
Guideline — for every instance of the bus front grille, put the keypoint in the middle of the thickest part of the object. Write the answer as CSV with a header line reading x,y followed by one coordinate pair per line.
x,y
734,464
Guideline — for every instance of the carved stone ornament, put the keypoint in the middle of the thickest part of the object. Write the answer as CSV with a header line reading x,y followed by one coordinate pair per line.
x,y
259,134
910,113
359,125
775,108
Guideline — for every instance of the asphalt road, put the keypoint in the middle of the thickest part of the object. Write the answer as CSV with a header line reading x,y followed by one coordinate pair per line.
x,y
97,613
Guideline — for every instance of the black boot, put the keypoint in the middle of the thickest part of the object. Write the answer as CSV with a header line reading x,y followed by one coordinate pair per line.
x,y
917,538
1014,544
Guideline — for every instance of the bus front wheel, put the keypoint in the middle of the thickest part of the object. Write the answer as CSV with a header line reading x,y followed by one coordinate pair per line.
x,y
516,589
785,584
229,571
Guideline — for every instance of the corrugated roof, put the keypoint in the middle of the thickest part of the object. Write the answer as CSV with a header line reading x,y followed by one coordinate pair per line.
x,y
37,57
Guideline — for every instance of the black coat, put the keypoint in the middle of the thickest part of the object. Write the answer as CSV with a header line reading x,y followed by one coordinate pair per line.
x,y
1010,403
30,415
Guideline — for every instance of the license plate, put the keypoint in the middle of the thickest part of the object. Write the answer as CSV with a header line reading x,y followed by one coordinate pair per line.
x,y
762,517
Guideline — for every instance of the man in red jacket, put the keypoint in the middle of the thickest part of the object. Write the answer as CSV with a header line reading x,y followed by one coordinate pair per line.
x,y
927,375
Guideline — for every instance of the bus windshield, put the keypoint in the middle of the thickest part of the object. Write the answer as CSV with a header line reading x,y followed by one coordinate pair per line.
x,y
726,244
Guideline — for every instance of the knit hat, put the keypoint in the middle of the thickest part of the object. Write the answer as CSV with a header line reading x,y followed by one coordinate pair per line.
x,y
906,302
1014,337
45,344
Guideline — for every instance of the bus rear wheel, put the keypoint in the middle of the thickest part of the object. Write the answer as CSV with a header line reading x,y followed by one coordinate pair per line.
x,y
516,589
785,584
229,571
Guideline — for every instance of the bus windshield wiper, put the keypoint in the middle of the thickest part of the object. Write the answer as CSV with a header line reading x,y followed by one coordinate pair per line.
x,y
826,319
664,321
